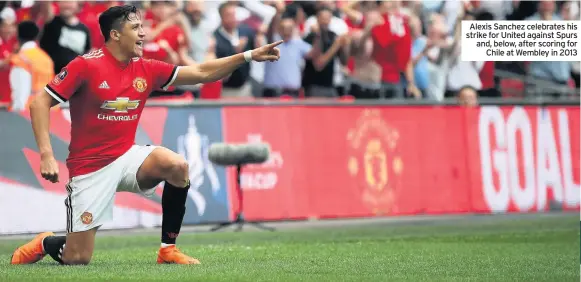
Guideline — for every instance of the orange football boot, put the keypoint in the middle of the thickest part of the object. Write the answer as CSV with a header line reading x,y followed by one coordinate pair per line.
x,y
171,254
30,252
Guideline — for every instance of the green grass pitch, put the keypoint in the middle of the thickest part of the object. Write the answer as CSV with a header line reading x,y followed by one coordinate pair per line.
x,y
477,248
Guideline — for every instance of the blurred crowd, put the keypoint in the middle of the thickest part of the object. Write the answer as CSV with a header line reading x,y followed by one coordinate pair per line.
x,y
359,49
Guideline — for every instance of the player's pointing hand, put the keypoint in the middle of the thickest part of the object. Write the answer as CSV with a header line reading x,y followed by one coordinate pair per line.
x,y
49,169
267,52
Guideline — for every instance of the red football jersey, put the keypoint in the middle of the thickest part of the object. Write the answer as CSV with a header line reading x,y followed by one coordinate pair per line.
x,y
392,45
106,100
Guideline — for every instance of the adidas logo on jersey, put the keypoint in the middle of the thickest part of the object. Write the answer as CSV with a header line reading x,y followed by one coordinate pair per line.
x,y
104,85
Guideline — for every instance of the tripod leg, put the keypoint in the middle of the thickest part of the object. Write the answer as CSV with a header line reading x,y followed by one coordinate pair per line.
x,y
239,227
220,226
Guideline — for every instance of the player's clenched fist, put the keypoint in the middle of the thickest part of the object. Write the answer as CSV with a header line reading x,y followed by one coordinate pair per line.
x,y
49,169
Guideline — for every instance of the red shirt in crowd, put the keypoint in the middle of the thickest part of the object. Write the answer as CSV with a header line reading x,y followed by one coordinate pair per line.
x,y
106,100
6,49
392,44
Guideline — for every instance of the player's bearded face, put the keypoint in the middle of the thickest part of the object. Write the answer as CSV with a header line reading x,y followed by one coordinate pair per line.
x,y
132,36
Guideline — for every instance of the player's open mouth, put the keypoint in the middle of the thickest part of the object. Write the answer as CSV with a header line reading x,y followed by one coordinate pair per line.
x,y
139,44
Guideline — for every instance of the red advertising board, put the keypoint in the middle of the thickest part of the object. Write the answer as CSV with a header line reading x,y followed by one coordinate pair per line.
x,y
277,185
356,161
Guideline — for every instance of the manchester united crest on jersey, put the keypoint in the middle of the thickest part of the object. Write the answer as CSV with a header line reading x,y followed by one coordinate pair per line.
x,y
140,84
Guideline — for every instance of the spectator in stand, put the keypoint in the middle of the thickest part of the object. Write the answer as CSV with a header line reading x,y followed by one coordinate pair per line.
x,y
420,47
201,42
439,56
8,43
320,69
391,35
260,15
338,26
165,39
557,73
65,37
467,96
283,77
462,73
295,11
32,68
253,15
364,73
232,38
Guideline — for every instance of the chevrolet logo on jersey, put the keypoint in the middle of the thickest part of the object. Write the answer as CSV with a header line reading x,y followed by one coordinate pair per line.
x,y
121,105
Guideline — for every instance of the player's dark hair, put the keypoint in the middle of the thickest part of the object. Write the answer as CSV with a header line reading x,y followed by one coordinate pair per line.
x,y
114,17
27,31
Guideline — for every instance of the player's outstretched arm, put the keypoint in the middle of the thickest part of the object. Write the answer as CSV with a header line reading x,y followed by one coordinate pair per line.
x,y
40,117
217,69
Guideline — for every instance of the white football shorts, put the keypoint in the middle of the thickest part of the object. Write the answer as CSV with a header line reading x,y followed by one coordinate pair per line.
x,y
91,196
